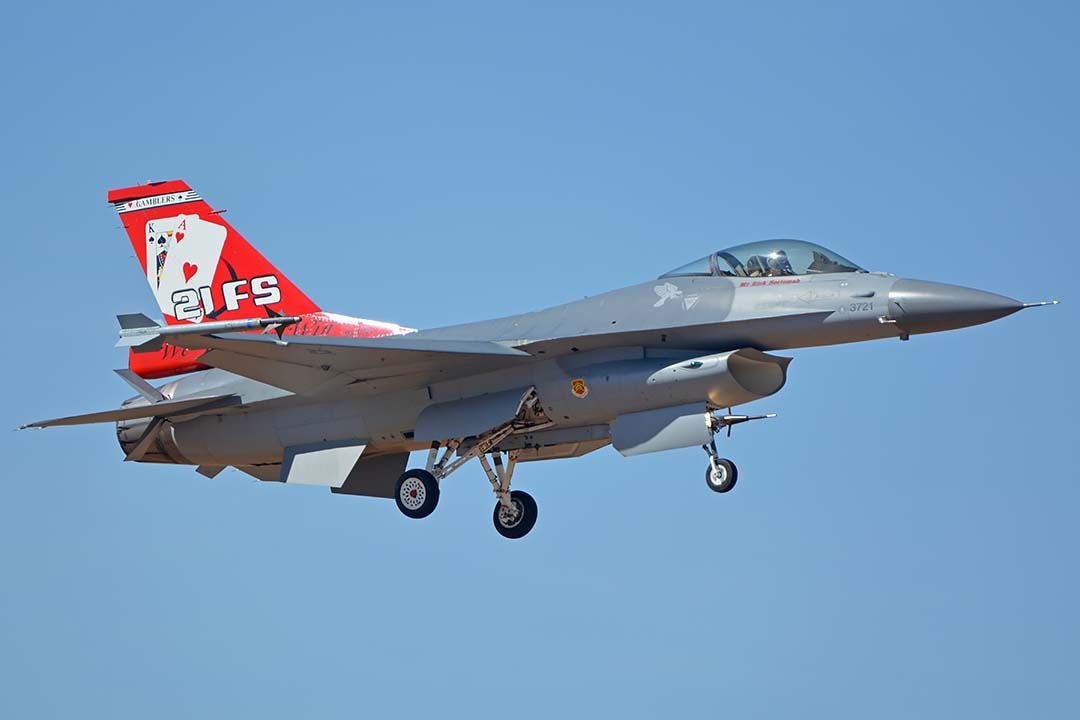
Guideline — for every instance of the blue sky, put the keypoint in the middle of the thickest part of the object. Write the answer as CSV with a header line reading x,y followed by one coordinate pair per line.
x,y
903,538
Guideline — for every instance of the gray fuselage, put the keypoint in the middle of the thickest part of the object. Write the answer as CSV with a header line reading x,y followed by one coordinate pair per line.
x,y
620,338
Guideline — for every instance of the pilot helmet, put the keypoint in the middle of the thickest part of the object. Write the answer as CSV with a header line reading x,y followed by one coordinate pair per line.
x,y
778,261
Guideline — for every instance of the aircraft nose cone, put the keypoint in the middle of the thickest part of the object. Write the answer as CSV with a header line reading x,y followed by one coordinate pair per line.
x,y
920,307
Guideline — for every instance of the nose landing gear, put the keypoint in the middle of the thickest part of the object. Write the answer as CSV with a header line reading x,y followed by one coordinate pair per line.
x,y
721,473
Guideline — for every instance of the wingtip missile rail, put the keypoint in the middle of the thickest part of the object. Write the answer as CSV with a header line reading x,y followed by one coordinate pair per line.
x,y
147,333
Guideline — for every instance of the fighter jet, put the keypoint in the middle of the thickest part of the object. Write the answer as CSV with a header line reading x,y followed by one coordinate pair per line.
x,y
270,384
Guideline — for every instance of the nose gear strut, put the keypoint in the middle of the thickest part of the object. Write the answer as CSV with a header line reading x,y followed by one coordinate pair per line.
x,y
721,473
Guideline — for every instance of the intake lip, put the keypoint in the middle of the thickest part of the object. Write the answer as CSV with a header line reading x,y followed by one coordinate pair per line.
x,y
757,372
918,306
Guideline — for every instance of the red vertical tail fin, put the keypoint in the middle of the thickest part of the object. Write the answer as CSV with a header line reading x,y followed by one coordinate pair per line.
x,y
197,265
200,268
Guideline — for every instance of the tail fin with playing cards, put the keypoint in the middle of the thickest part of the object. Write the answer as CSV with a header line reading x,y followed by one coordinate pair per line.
x,y
197,265
201,271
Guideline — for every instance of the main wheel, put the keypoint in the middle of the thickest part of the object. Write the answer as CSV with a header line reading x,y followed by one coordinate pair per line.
x,y
518,522
417,493
721,478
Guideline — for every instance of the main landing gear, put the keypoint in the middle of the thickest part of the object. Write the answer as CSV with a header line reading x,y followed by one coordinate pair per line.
x,y
417,491
721,473
515,510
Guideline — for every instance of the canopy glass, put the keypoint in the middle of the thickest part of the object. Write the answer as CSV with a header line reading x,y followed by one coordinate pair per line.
x,y
768,258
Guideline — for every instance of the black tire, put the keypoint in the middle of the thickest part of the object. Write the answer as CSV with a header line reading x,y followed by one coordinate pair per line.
x,y
416,493
731,476
526,516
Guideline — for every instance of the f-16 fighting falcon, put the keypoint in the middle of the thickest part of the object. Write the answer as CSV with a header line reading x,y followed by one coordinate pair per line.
x,y
274,386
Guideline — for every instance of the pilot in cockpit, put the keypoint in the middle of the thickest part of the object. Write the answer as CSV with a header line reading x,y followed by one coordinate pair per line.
x,y
779,264
768,258
774,264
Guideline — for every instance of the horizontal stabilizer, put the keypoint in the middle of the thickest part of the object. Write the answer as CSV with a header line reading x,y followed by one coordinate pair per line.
x,y
167,408
146,440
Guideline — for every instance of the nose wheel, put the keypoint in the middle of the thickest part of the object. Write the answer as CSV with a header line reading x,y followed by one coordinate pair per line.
x,y
721,475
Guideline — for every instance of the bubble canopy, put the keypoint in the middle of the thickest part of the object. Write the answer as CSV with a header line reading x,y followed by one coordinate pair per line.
x,y
768,258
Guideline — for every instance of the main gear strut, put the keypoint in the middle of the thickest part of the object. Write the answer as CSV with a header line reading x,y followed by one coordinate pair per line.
x,y
515,512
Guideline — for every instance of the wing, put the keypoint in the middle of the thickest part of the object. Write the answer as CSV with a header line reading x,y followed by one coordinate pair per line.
x,y
309,364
